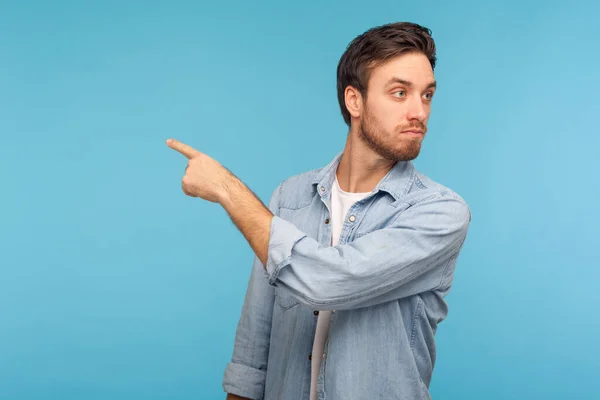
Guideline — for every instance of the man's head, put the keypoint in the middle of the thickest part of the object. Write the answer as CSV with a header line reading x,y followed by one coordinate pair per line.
x,y
385,83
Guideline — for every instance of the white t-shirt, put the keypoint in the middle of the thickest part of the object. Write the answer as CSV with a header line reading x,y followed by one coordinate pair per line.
x,y
340,204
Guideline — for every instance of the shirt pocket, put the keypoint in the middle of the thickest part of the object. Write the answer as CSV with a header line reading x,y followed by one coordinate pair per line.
x,y
285,301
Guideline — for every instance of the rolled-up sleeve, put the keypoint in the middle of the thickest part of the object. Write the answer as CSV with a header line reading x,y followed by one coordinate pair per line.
x,y
409,256
245,374
284,236
244,381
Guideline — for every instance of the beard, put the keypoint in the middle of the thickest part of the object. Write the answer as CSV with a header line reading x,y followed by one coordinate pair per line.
x,y
390,147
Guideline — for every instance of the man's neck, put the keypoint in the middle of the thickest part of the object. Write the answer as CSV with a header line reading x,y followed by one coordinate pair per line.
x,y
360,168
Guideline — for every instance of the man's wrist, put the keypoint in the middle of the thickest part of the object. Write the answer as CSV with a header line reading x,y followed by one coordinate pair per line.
x,y
235,196
231,188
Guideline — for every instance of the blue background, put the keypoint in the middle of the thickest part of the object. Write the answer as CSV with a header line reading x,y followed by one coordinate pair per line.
x,y
114,284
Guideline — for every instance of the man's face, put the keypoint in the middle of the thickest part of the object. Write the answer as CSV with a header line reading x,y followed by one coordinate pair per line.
x,y
398,101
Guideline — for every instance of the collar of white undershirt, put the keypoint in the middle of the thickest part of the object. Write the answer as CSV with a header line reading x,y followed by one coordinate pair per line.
x,y
348,194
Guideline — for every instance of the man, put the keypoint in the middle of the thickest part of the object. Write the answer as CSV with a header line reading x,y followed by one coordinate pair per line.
x,y
353,260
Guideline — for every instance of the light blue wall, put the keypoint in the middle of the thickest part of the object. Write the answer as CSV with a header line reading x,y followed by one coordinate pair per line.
x,y
115,285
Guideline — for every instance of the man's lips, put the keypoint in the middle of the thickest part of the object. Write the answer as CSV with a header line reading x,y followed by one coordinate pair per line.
x,y
415,132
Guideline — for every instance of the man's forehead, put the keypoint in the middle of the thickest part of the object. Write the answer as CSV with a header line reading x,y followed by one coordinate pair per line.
x,y
405,70
407,80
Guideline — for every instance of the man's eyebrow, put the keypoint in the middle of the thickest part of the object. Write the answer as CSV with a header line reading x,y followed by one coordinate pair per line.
x,y
406,83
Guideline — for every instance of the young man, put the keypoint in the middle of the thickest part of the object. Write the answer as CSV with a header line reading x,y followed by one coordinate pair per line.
x,y
353,259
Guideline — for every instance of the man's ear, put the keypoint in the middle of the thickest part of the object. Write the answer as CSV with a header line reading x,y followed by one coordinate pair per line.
x,y
354,101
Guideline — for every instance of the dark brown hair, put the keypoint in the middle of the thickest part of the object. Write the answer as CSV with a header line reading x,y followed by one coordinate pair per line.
x,y
373,48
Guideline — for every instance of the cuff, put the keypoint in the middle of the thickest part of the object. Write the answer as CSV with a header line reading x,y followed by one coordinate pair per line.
x,y
284,236
244,381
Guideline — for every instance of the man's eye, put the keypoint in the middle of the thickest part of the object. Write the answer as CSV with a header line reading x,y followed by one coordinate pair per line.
x,y
400,93
428,96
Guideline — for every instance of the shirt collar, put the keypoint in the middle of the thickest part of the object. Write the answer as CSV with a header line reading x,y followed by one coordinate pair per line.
x,y
396,182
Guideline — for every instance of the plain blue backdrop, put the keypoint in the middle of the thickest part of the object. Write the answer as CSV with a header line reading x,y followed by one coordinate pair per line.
x,y
115,285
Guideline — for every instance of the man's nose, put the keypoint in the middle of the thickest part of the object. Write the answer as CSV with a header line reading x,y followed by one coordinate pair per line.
x,y
416,109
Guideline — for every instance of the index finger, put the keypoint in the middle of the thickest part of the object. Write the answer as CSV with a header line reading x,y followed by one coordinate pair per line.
x,y
184,149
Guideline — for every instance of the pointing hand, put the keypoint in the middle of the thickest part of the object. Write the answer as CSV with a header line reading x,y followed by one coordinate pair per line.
x,y
204,177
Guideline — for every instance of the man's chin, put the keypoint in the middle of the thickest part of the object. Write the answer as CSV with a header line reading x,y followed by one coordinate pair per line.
x,y
404,154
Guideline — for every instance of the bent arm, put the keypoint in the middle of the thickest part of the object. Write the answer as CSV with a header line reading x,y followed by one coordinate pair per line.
x,y
408,257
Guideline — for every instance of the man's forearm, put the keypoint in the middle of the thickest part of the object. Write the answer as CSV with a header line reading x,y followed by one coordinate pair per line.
x,y
235,397
250,215
206,178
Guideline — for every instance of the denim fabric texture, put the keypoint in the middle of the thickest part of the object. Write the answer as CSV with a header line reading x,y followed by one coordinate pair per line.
x,y
386,281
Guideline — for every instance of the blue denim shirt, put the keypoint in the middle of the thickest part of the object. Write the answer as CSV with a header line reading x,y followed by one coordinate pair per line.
x,y
385,280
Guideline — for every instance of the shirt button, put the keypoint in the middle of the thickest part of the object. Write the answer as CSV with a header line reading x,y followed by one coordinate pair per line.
x,y
316,312
324,355
322,189
352,218
326,221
